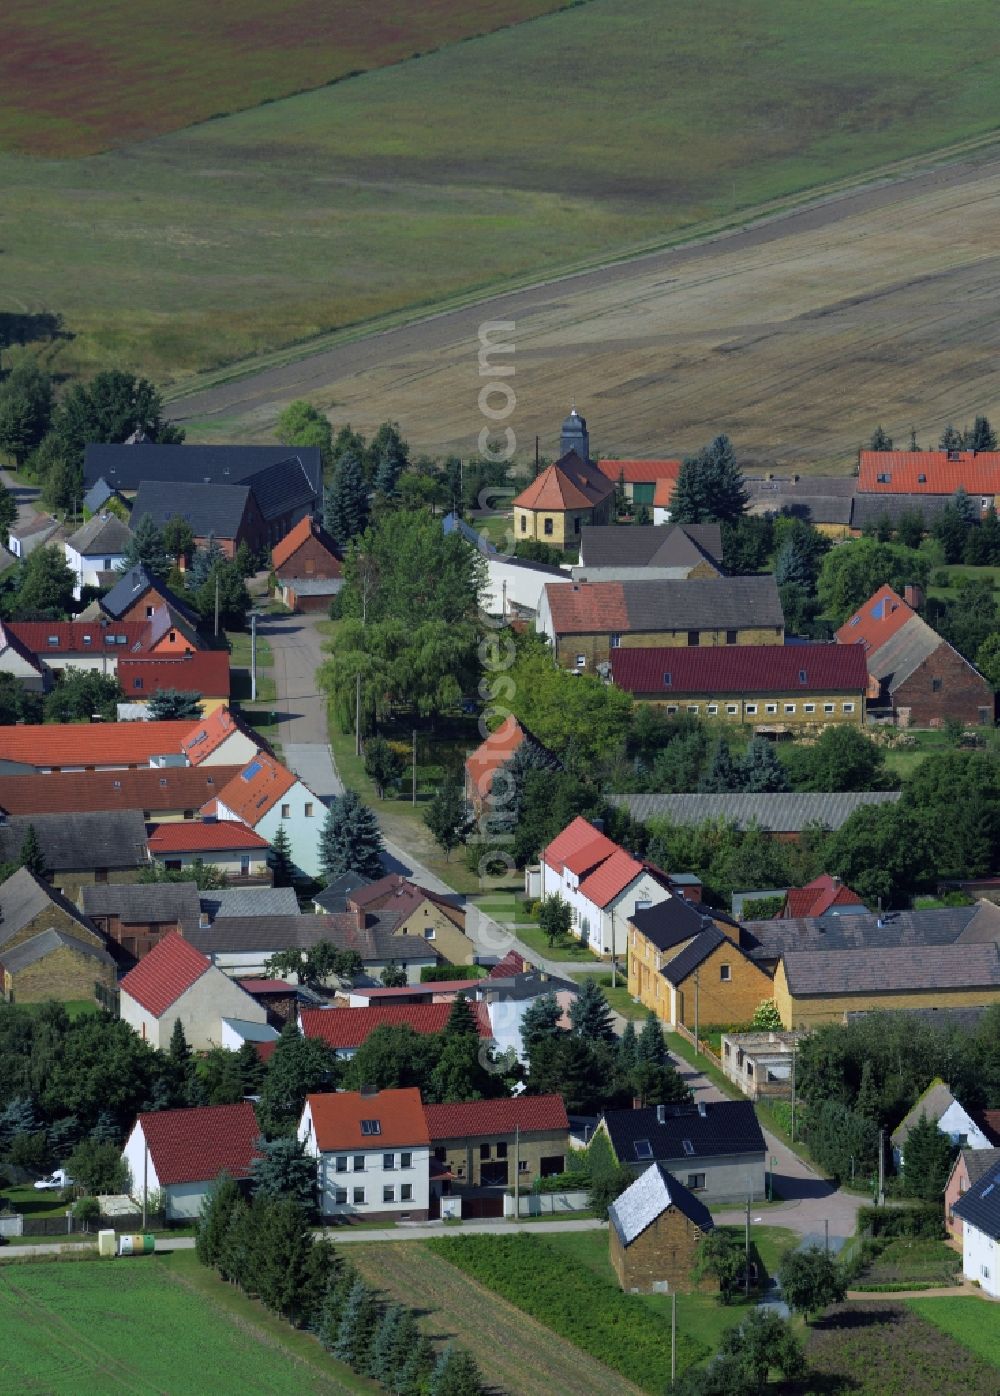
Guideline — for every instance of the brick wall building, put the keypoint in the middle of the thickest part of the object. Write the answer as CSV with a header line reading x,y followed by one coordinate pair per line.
x,y
655,1229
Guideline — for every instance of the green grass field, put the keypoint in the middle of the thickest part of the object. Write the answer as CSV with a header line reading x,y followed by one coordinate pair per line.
x,y
971,1322
149,1326
608,127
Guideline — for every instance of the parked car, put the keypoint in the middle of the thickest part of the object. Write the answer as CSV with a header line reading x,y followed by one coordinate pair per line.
x,y
54,1182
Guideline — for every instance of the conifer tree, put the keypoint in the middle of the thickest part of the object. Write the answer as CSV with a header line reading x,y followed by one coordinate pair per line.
x,y
31,856
283,1169
951,439
203,563
382,1359
761,769
357,1326
981,437
628,1048
146,546
351,840
710,486
178,1052
455,1374
880,441
345,501
723,773
283,869
927,1158
213,1223
461,1020
590,1013
651,1048
175,705
339,1286
447,815
540,1021
412,1379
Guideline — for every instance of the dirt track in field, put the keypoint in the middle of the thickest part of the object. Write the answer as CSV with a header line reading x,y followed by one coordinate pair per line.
x,y
796,335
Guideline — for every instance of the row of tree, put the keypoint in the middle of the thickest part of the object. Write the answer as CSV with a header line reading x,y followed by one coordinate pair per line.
x,y
979,437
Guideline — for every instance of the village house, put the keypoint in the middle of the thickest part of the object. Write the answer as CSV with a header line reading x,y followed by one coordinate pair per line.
x,y
373,1154
771,688
655,1229
308,567
645,483
483,763
344,1030
161,794
979,1211
139,915
220,738
226,514
95,552
783,815
914,674
82,847
235,851
175,983
266,797
508,997
437,919
334,895
488,1144
824,501
646,553
938,1106
20,661
69,644
587,621
968,1168
715,1149
48,950
138,594
824,894
180,1154
513,585
602,884
35,531
927,473
205,672
125,466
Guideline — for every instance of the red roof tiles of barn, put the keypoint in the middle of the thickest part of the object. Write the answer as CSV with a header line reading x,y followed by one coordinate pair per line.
x,y
640,472
214,835
493,753
579,847
166,972
740,669
819,896
587,608
196,1145
526,1112
198,671
346,1028
96,744
929,472
611,878
882,616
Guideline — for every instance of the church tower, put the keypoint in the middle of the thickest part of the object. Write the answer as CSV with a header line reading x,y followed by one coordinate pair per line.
x,y
574,436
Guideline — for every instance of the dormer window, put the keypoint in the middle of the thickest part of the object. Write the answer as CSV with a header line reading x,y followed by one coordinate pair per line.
x,y
667,680
54,640
802,676
371,1127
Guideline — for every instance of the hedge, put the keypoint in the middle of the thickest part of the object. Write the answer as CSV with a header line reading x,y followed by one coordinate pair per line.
x,y
920,1220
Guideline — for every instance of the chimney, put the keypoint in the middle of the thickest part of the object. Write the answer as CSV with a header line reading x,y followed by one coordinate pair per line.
x,y
702,1109
661,1114
913,595
636,1103
359,915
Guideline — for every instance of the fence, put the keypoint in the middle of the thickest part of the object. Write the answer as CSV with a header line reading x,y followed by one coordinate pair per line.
x,y
702,1046
543,1204
67,1225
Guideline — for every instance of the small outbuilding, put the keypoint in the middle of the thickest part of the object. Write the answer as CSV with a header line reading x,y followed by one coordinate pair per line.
x,y
180,1153
177,983
656,1226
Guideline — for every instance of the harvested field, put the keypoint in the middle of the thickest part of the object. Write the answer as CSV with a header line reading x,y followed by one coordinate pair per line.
x,y
515,1353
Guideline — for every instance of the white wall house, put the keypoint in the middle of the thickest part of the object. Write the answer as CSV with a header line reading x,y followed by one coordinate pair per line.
x,y
96,550
939,1105
373,1153
18,660
266,796
218,740
179,1154
514,585
979,1209
174,983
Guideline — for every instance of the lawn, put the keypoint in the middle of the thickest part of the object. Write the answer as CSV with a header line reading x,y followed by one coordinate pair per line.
x,y
970,1322
486,164
35,1204
567,948
92,1326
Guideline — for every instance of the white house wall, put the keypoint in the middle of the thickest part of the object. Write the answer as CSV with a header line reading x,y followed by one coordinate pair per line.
x,y
142,1023
962,1129
593,924
133,1152
303,829
372,1178
508,585
981,1259
86,567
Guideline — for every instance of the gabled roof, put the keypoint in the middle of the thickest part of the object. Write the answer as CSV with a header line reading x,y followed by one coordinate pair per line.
x,y
397,1116
930,1105
687,961
482,764
282,488
307,528
164,974
528,1113
208,734
202,836
10,640
710,1128
153,788
24,895
126,466
104,533
788,813
899,970
98,494
818,896
196,1145
374,942
979,1207
334,896
977,1162
259,786
80,841
715,603
610,878
134,584
869,510
882,615
652,1193
666,545
48,637
673,921
571,483
35,948
136,902
740,669
199,671
855,929
579,847
209,509
397,893
640,472
250,901
928,472
345,1028
91,744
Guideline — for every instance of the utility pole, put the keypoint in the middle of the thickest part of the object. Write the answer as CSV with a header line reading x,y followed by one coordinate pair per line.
x,y
217,603
253,656
793,1095
746,1273
145,1177
614,962
357,713
673,1336
697,1005
517,1172
826,1234
413,797
881,1168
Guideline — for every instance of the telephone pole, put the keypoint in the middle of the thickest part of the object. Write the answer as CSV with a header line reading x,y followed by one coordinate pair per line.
x,y
357,713
673,1336
746,1273
793,1094
881,1168
697,1005
216,603
413,798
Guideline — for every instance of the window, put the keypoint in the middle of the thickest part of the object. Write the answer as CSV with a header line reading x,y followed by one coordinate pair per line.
x,y
581,661
359,1197
371,1127
430,933
406,1160
671,709
616,640
985,1270
696,1182
643,494
848,707
406,1192
935,685
173,636
789,707
643,1149
149,612
802,676
576,525
667,679
713,709
547,528
732,708
751,709
687,1146
694,637
524,523
732,637
809,707
286,811
441,1155
388,1194
921,479
340,1197
388,1162
725,973
244,865
341,1163
693,709
308,809
54,640
522,1165
828,707
100,874
359,1163
770,707
501,1150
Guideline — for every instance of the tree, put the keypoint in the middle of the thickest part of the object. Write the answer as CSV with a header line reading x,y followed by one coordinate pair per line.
x,y
31,855
386,451
590,1013
8,512
981,437
284,1169
393,976
910,528
351,840
841,758
381,1361
628,1048
225,581
80,694
357,1326
880,441
747,1355
455,1374
810,1280
25,409
951,439
447,815
299,1065
462,1071
214,1219
146,547
927,1158
43,585
794,565
292,1270
383,764
710,486
539,1021
461,1019
178,1051
721,1255
203,562
345,501
301,424
851,573
174,704
608,1178
111,407
723,773
178,538
555,918
951,530
98,1167
766,1017
884,851
282,867
392,1057
761,770
651,1048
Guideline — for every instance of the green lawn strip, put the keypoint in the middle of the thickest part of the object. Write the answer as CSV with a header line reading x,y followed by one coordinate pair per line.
x,y
34,1203
970,1321
565,949
240,650
579,1304
267,689
685,1050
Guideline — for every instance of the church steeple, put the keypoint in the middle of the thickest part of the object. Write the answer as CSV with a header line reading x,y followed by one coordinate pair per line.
x,y
574,436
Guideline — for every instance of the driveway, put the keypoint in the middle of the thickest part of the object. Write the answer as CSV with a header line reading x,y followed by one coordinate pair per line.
x,y
25,497
297,647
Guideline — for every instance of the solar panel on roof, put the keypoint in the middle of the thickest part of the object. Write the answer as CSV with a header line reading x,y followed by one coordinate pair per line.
x,y
254,769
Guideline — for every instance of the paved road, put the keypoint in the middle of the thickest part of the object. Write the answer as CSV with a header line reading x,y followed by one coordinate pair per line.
x,y
297,646
25,497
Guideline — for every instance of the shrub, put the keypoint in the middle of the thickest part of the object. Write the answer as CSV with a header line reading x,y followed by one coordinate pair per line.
x,y
924,1220
86,1210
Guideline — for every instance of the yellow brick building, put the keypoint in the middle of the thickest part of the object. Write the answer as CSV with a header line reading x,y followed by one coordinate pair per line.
x,y
564,499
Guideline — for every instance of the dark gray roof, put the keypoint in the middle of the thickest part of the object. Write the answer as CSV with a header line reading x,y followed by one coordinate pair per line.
x,y
532,984
931,1105
979,1162
99,493
282,488
133,584
903,653
820,499
24,896
125,467
964,1019
143,901
710,1129
215,509
788,813
80,841
648,1198
861,930
104,533
721,603
678,969
334,895
671,922
251,901
37,947
980,1205
666,545
375,942
868,510
910,969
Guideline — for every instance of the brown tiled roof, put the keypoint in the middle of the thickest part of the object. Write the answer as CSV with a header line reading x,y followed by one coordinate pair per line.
x,y
258,787
198,671
587,608
716,603
196,1145
90,744
571,483
640,472
304,530
527,1113
153,788
337,1117
741,669
482,765
929,472
168,971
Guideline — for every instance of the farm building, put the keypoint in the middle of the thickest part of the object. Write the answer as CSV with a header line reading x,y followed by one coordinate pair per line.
x,y
669,553
655,1228
226,845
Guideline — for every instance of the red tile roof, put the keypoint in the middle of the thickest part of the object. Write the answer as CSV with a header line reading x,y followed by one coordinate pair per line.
x,y
8,638
741,669
929,472
611,878
641,472
208,734
818,896
578,838
91,744
571,483
158,789
258,788
525,1112
289,545
265,1050
346,1028
81,637
166,972
195,836
196,1145
587,608
493,753
197,671
266,986
663,493
377,996
511,964
878,620
337,1117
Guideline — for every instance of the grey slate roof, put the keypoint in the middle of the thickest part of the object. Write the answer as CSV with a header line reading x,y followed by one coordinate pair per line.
x,y
374,943
820,499
24,896
334,895
37,947
675,971
133,584
282,488
979,1162
215,509
721,603
99,493
126,466
725,1127
250,901
899,970
788,813
965,1019
932,1104
861,930
868,510
104,533
903,653
666,545
980,1206
80,841
648,1198
143,901
673,921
